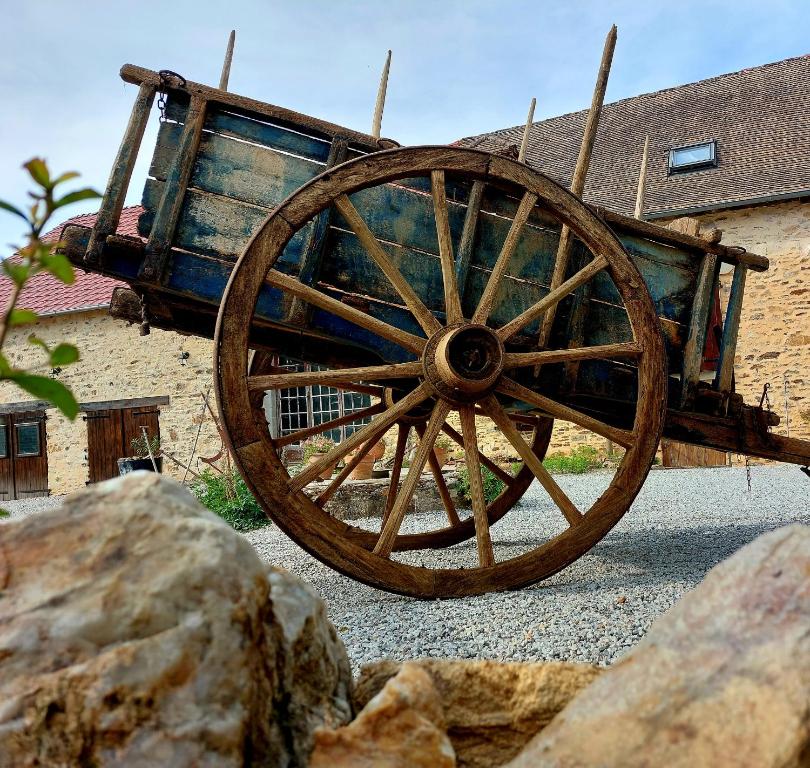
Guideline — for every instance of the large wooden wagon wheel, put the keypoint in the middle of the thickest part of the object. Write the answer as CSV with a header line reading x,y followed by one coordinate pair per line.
x,y
460,365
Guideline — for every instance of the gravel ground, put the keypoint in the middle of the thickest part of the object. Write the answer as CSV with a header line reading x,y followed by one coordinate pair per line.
x,y
682,523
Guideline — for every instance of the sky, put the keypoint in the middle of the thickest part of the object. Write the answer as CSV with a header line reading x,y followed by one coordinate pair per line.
x,y
459,67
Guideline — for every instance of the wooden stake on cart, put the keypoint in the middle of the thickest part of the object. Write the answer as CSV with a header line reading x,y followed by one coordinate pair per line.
x,y
580,174
642,180
226,65
526,131
376,123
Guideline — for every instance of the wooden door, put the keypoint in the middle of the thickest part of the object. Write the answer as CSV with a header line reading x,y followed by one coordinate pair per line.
x,y
104,444
23,455
109,437
676,454
6,459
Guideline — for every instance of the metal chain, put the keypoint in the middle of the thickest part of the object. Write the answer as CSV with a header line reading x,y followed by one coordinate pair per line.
x,y
166,76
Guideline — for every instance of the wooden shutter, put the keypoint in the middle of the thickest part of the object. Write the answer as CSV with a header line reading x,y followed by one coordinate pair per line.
x,y
30,454
104,444
6,460
135,418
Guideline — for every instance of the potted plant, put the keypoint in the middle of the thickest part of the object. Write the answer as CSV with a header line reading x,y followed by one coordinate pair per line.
x,y
442,449
365,467
141,459
314,449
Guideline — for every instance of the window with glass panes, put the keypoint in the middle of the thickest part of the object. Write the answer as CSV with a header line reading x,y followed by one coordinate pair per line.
x,y
302,407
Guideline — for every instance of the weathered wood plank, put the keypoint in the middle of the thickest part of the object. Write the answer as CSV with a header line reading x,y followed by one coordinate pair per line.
x,y
113,201
168,209
731,326
698,328
288,117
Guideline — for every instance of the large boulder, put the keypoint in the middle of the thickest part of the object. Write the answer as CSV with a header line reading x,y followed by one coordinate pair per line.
x,y
401,727
138,629
491,709
722,679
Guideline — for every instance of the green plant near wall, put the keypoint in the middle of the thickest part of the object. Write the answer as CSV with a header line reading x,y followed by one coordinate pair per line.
x,y
492,485
227,495
584,458
33,257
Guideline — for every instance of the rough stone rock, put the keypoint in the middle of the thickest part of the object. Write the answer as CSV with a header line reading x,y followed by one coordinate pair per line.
x,y
491,709
137,629
401,727
721,679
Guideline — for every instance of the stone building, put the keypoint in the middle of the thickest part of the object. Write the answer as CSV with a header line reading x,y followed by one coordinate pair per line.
x,y
732,151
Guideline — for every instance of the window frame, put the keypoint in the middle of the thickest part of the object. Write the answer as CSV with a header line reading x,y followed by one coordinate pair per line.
x,y
698,165
315,396
27,455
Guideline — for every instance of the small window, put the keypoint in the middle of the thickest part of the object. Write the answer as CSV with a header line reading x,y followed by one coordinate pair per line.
x,y
693,158
3,441
27,438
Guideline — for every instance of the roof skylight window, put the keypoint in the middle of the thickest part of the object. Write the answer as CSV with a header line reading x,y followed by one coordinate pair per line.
x,y
692,158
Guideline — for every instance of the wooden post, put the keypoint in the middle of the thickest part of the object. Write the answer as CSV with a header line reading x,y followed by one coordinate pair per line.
x,y
580,174
226,65
376,123
174,193
731,327
642,180
113,201
698,328
526,131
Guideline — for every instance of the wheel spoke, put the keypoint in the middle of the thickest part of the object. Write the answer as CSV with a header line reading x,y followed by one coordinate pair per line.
x,y
486,556
599,352
553,298
388,535
441,485
330,490
396,469
507,386
344,376
374,249
318,299
452,301
501,474
488,296
510,432
325,426
374,429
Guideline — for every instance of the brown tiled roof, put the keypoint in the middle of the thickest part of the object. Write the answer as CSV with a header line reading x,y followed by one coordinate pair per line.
x,y
759,117
48,296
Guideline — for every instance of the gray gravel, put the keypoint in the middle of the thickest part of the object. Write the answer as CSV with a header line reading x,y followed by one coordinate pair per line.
x,y
683,523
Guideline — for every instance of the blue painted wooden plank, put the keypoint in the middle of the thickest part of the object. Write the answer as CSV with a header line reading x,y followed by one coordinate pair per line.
x,y
230,122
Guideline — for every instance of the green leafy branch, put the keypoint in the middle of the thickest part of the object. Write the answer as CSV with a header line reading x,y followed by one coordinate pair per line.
x,y
36,256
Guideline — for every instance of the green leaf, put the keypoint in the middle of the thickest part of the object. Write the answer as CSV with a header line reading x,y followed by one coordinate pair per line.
x,y
37,342
11,209
45,388
65,177
17,272
22,317
64,354
4,513
59,266
74,197
39,171
5,367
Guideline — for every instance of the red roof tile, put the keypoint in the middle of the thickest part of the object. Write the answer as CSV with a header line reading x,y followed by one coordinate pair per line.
x,y
45,295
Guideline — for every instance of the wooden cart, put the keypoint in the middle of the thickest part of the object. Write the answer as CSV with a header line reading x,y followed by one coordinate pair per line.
x,y
423,277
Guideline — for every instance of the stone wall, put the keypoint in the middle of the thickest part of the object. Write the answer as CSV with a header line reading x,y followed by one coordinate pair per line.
x,y
117,364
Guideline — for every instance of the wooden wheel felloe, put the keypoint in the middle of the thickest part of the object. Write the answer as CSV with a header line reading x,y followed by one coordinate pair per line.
x,y
450,360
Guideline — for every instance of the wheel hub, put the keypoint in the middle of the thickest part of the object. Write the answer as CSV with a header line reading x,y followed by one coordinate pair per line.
x,y
463,362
